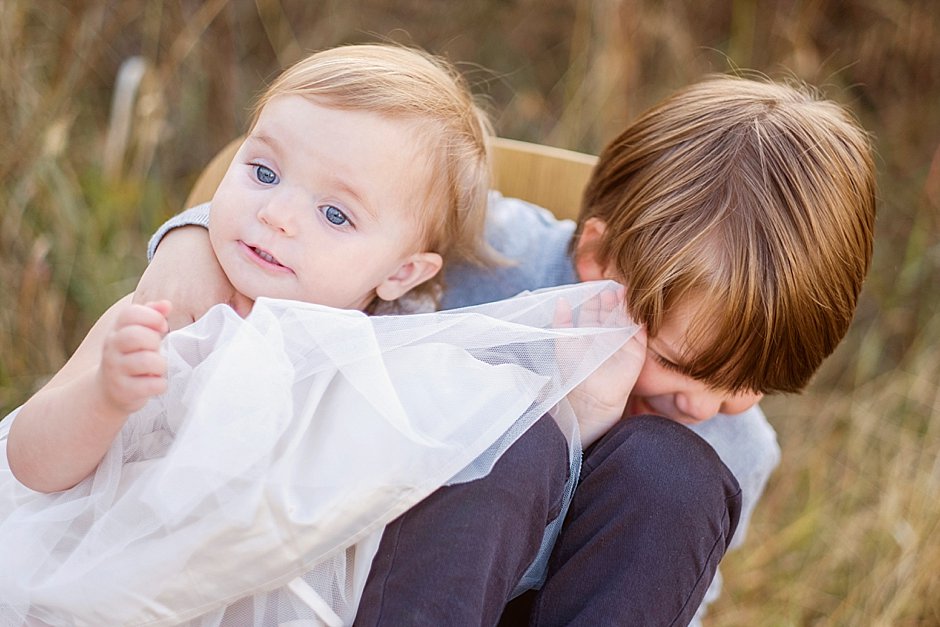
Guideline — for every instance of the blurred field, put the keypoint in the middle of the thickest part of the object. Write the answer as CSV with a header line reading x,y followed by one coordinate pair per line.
x,y
849,531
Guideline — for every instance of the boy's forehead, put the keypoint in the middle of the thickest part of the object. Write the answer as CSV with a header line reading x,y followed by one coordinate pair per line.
x,y
671,342
697,342
684,332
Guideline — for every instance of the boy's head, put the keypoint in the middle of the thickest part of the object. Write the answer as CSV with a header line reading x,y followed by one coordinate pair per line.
x,y
427,165
745,210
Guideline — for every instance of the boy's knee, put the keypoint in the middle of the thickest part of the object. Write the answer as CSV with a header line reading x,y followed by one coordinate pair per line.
x,y
659,465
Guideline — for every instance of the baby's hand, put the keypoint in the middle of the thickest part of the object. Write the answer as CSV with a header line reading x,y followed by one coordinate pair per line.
x,y
599,401
132,368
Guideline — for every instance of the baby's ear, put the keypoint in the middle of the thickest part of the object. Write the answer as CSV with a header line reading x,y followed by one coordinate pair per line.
x,y
586,261
415,270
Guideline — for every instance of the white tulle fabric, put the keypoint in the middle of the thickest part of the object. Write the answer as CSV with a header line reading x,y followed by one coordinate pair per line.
x,y
255,491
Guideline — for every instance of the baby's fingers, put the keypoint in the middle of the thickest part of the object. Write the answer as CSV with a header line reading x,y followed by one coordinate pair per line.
x,y
132,368
152,316
162,307
134,338
130,393
142,364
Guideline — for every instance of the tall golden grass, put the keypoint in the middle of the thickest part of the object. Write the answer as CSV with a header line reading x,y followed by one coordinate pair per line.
x,y
849,530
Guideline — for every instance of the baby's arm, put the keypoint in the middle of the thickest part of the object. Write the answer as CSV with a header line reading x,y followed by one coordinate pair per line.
x,y
62,432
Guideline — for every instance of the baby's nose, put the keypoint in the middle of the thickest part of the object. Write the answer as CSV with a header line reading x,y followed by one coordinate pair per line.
x,y
278,213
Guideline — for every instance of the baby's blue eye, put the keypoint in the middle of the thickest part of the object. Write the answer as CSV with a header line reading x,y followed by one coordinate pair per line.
x,y
265,174
335,216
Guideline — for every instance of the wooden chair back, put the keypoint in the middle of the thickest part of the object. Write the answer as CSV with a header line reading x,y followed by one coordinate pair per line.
x,y
549,177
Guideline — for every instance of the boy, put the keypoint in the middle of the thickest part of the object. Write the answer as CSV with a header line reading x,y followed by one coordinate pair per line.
x,y
739,215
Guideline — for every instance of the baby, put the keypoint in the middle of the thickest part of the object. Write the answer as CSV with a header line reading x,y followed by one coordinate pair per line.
x,y
365,170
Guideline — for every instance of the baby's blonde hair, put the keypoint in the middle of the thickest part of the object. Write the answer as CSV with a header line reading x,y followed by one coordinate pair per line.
x,y
754,203
415,86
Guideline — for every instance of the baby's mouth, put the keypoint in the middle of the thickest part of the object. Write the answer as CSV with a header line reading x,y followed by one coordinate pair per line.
x,y
267,256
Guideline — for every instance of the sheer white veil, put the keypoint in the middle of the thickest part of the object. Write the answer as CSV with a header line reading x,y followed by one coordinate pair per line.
x,y
255,491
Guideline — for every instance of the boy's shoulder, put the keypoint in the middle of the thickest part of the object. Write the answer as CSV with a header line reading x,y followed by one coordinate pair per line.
x,y
194,216
532,241
502,210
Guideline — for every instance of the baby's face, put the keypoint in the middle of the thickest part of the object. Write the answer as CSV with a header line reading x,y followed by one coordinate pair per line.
x,y
320,204
663,389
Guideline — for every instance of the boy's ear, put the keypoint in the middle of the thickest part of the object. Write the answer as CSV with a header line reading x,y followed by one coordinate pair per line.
x,y
586,262
414,270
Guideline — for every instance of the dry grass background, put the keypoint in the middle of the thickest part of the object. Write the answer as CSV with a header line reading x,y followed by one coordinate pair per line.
x,y
849,531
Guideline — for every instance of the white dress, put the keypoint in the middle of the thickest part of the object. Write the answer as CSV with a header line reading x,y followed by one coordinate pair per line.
x,y
255,491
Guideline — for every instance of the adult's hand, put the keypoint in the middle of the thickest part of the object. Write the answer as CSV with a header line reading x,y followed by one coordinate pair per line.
x,y
185,271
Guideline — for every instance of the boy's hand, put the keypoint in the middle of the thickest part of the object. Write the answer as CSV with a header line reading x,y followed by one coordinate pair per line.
x,y
599,401
186,271
132,368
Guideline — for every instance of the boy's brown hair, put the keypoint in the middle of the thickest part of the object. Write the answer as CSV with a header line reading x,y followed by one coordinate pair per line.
x,y
412,85
753,202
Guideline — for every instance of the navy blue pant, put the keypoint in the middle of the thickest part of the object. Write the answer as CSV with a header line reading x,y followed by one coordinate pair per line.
x,y
652,516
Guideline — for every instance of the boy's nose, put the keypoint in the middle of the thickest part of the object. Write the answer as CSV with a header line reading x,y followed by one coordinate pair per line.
x,y
698,406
